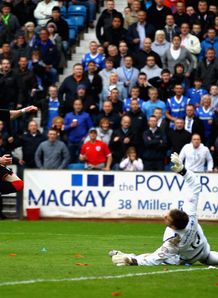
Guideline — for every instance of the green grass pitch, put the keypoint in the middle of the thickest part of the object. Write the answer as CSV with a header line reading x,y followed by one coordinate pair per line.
x,y
54,254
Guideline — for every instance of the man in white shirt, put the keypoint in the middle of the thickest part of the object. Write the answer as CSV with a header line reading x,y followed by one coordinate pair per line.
x,y
184,241
195,156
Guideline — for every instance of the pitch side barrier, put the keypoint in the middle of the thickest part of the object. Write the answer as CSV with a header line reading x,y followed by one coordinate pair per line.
x,y
115,194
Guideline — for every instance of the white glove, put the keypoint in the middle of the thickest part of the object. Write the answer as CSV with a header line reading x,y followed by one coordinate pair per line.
x,y
121,260
178,166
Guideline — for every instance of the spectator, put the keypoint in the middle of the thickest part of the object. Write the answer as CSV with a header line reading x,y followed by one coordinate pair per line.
x,y
9,24
138,31
113,54
95,153
134,96
77,125
211,41
178,54
196,31
161,121
68,88
24,10
105,20
154,146
192,123
214,97
153,103
123,52
62,28
170,29
6,53
116,102
20,48
195,156
207,69
114,33
104,131
178,136
143,85
157,14
132,16
91,8
175,107
151,68
52,154
43,12
108,112
29,32
122,138
160,45
9,91
127,74
90,105
93,55
196,92
138,124
190,42
58,125
180,15
141,56
179,77
164,85
205,113
107,71
29,142
131,162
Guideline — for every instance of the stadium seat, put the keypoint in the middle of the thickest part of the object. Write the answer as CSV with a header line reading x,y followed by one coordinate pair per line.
x,y
73,28
76,166
63,11
77,10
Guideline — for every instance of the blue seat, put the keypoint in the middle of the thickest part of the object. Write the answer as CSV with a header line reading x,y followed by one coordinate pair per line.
x,y
76,166
63,11
77,10
80,21
72,24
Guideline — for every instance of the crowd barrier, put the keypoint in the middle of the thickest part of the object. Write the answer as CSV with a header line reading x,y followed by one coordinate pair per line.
x,y
114,195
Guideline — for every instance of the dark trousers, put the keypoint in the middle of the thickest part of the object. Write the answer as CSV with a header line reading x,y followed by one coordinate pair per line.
x,y
153,165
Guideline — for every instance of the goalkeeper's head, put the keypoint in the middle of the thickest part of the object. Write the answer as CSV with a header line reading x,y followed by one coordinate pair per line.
x,y
176,219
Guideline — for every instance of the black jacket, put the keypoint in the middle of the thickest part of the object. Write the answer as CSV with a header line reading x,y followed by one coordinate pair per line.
x,y
140,58
208,73
114,35
138,125
9,91
177,139
158,17
62,28
113,117
155,145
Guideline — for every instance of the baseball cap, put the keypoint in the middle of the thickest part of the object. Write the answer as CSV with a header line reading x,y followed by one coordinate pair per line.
x,y
92,129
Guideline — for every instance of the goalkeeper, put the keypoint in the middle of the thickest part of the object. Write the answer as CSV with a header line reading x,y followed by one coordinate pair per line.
x,y
184,240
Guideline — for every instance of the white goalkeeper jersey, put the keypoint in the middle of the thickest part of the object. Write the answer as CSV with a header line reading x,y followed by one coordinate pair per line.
x,y
190,242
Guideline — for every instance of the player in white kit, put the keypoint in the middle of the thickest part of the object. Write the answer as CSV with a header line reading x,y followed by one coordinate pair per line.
x,y
184,240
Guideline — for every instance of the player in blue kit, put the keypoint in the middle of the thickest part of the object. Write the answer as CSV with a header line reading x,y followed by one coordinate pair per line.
x,y
184,240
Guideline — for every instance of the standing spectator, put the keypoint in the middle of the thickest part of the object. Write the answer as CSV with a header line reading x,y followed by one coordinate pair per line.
x,y
77,125
160,45
161,121
138,124
24,10
196,92
105,20
132,16
52,154
170,29
196,157
9,23
123,52
128,74
176,105
114,33
104,131
49,54
29,142
180,15
58,125
207,69
68,88
190,42
178,136
131,162
178,54
108,113
157,14
95,153
95,81
196,31
89,102
9,91
151,69
149,106
43,11
143,85
113,83
93,55
6,53
206,113
205,17
155,146
62,28
141,56
138,31
192,123
20,47
134,96
116,102
211,41
107,71
121,140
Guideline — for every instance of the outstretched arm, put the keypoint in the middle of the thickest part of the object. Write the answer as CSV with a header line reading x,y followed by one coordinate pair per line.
x,y
17,113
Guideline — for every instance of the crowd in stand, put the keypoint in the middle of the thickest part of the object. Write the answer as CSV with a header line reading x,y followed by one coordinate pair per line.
x,y
148,85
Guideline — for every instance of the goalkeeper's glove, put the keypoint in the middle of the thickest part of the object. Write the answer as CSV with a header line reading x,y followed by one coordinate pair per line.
x,y
123,260
177,167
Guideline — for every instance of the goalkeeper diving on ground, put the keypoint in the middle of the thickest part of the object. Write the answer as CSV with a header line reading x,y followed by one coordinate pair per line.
x,y
184,241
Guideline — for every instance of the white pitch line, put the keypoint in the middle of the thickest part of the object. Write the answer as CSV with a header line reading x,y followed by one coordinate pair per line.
x,y
33,281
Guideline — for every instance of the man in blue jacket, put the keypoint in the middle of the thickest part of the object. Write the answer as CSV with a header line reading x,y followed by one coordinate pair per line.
x,y
211,41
